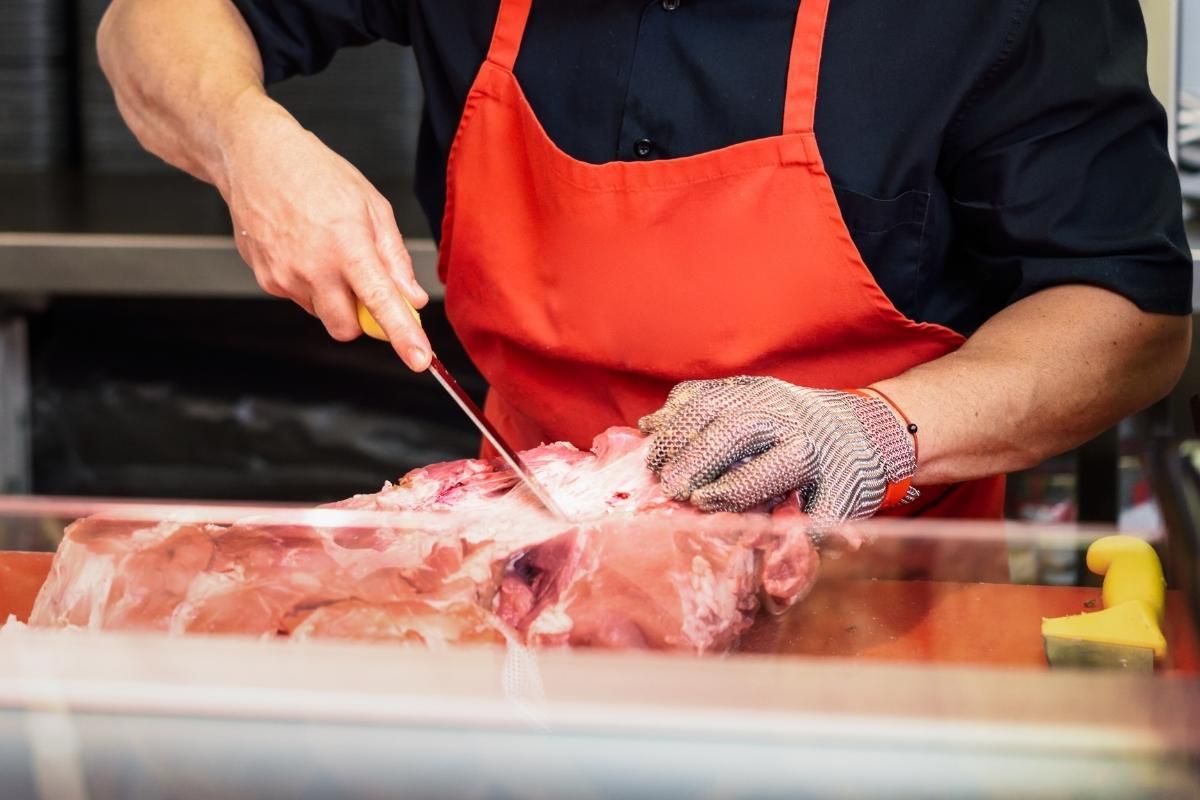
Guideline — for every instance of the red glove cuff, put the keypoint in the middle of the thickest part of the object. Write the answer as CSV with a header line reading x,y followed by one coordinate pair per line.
x,y
897,494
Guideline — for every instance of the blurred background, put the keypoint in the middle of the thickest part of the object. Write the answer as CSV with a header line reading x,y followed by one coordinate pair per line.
x,y
138,357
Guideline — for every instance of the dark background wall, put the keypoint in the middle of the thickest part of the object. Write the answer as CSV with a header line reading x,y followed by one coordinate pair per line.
x,y
237,399
58,110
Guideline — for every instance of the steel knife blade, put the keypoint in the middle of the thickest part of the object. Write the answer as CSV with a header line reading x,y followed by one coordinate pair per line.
x,y
473,412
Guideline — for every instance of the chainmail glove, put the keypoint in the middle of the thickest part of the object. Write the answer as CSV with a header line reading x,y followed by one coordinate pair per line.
x,y
734,444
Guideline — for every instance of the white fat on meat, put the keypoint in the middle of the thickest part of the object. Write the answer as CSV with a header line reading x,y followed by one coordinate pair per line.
x,y
610,478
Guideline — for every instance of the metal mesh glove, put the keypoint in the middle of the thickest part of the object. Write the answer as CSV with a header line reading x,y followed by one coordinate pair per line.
x,y
733,444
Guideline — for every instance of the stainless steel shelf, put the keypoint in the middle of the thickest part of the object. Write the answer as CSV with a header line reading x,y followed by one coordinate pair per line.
x,y
42,264
69,233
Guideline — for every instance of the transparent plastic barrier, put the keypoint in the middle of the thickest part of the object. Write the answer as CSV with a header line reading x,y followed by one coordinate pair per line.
x,y
197,649
925,590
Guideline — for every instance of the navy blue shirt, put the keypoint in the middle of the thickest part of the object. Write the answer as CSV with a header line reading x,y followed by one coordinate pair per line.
x,y
981,150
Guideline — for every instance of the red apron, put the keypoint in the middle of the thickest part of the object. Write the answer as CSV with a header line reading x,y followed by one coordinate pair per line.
x,y
585,292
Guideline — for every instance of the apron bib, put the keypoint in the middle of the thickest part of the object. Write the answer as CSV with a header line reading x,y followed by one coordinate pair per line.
x,y
585,292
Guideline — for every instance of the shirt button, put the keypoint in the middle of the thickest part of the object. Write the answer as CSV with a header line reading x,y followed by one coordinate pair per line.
x,y
670,5
643,147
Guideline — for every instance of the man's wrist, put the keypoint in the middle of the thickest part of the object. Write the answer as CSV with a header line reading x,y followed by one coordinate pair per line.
x,y
248,115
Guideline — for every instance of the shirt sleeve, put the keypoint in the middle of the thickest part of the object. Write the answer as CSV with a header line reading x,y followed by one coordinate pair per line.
x,y
1057,166
302,36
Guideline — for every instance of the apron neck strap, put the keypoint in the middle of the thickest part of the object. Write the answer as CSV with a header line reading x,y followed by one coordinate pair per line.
x,y
799,108
510,29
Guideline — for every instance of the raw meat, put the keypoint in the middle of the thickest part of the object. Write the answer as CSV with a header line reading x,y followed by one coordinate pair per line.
x,y
452,553
407,621
690,589
612,477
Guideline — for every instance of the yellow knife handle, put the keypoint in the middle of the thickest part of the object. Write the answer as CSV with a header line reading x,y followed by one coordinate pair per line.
x,y
371,328
1131,570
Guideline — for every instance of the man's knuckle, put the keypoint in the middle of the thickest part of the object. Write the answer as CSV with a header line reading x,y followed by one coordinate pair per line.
x,y
347,236
269,285
361,260
394,254
293,282
287,273
378,297
342,330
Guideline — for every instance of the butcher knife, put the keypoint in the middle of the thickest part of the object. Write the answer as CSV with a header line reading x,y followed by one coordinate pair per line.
x,y
371,328
1127,634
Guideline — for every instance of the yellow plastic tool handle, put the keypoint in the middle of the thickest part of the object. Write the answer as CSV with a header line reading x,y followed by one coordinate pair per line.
x,y
1131,570
371,328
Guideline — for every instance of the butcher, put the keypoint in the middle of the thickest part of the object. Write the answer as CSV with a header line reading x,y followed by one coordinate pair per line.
x,y
879,254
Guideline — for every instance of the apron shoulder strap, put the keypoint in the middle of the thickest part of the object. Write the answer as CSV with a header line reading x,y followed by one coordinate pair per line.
x,y
800,105
510,29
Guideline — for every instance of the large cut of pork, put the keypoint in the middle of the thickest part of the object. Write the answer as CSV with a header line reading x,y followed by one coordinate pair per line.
x,y
453,553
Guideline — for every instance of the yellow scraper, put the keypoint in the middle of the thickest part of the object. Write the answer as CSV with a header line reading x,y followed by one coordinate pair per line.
x,y
1127,634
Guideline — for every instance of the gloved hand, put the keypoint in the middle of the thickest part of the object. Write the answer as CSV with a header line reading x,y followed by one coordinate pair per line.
x,y
846,453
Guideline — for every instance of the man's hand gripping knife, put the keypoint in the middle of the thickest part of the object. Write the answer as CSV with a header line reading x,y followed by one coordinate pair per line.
x,y
737,443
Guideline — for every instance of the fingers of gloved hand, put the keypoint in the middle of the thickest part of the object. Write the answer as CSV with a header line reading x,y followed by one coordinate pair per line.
x,y
650,423
678,397
684,393
697,405
790,465
727,440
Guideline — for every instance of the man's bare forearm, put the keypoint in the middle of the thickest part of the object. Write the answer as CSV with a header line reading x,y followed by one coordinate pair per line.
x,y
188,79
186,73
1039,378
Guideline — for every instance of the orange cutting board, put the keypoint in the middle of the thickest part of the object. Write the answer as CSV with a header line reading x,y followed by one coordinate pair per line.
x,y
944,622
21,576
987,624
